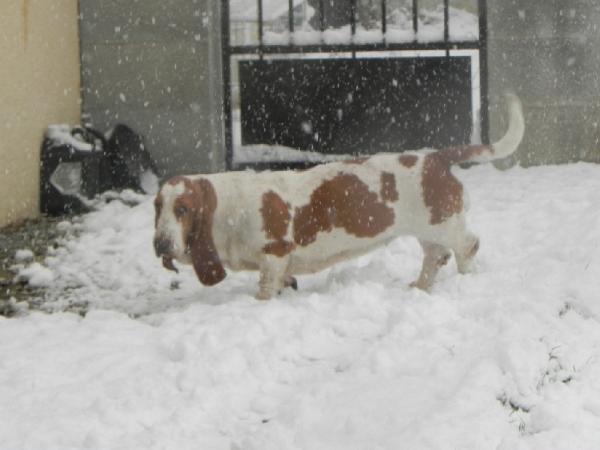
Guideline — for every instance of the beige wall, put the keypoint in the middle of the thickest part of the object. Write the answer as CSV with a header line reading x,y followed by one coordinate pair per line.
x,y
39,85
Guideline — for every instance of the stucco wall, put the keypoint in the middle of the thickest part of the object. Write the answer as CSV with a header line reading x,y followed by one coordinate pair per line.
x,y
39,85
547,51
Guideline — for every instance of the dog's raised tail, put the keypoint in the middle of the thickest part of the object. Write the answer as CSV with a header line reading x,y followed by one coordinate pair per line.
x,y
506,146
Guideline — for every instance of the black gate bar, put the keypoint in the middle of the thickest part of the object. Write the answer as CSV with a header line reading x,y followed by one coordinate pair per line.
x,y
226,74
291,16
415,13
260,26
322,15
352,17
383,18
483,71
446,21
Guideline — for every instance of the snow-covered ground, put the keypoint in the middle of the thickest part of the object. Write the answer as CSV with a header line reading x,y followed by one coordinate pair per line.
x,y
507,357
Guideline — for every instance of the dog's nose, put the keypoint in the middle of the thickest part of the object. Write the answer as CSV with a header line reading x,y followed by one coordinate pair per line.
x,y
162,246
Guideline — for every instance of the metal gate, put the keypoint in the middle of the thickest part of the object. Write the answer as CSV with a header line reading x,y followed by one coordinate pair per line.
x,y
305,80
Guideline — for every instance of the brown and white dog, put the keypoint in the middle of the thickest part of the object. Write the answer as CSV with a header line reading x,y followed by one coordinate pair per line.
x,y
298,222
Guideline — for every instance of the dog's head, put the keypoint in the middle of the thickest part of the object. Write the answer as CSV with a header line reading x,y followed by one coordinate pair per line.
x,y
185,208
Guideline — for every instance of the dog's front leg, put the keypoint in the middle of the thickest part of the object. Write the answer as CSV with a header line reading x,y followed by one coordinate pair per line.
x,y
434,257
272,276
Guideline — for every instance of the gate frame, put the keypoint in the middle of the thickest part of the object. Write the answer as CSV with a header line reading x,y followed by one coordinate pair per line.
x,y
230,52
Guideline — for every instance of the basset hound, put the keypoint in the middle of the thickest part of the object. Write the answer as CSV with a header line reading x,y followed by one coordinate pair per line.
x,y
298,222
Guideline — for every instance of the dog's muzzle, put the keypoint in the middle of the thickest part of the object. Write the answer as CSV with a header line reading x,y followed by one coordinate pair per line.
x,y
163,249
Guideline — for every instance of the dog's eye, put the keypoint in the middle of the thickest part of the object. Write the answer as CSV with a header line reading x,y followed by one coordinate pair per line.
x,y
181,211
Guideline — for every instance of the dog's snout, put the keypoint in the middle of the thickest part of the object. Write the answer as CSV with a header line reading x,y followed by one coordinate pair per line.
x,y
162,246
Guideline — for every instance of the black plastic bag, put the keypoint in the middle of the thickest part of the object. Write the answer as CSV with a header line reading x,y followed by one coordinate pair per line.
x,y
79,163
69,169
125,160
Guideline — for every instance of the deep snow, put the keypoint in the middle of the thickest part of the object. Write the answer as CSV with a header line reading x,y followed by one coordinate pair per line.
x,y
507,357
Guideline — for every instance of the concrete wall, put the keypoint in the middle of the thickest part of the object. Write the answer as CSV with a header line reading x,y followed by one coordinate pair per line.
x,y
547,51
155,66
39,85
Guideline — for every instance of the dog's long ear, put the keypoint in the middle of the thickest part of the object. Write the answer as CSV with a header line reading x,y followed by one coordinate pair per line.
x,y
205,257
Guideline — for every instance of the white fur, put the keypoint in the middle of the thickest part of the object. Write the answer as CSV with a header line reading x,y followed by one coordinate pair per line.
x,y
168,226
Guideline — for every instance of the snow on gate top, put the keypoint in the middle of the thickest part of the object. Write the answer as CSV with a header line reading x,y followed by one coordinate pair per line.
x,y
463,25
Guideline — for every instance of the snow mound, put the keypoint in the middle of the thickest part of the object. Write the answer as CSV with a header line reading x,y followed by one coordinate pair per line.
x,y
36,275
23,255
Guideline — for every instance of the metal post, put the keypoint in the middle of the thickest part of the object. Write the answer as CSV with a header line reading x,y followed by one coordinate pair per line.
x,y
447,27
260,28
291,17
383,18
226,61
415,12
353,17
446,21
483,72
322,15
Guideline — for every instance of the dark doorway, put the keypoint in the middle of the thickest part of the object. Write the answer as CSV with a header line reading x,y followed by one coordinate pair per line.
x,y
356,106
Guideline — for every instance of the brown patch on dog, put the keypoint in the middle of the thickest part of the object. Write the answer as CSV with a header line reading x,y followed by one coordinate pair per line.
x,y
279,248
358,161
276,215
342,202
388,187
276,219
442,192
205,258
158,203
464,153
408,161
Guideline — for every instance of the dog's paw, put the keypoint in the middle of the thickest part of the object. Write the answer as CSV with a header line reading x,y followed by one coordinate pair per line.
x,y
418,285
291,282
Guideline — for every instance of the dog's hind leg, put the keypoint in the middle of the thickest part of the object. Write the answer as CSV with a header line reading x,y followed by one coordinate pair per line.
x,y
435,256
466,251
455,235
291,281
